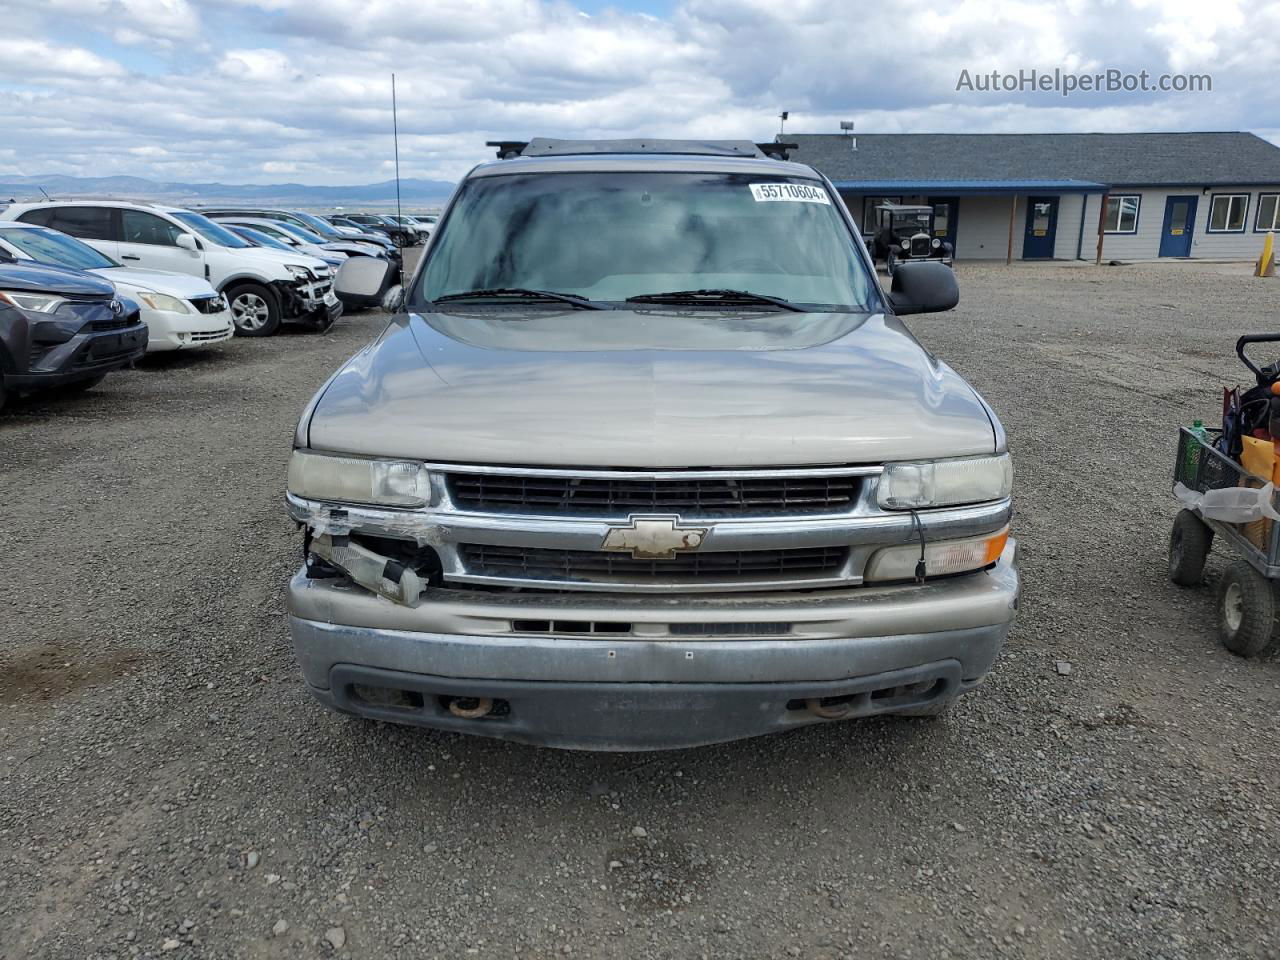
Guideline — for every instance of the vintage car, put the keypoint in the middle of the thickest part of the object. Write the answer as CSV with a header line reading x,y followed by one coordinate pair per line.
x,y
905,232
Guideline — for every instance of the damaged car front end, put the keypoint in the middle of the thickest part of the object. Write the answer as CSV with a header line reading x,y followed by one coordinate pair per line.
x,y
676,476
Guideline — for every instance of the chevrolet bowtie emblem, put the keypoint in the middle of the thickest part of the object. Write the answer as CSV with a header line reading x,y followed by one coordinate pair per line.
x,y
654,538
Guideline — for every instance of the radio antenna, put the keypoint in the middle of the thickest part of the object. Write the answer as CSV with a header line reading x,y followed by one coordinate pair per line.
x,y
395,133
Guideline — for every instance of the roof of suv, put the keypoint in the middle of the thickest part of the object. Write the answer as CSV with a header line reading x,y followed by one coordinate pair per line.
x,y
544,155
100,202
634,162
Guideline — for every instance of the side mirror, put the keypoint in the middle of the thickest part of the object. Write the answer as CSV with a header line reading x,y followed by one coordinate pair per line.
x,y
393,301
923,286
362,277
187,242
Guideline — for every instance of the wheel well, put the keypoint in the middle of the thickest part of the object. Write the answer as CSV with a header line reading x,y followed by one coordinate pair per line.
x,y
243,278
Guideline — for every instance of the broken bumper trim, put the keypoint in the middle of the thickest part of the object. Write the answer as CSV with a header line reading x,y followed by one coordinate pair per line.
x,y
633,693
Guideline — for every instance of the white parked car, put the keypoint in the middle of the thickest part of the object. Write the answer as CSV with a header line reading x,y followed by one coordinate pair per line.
x,y
180,311
264,287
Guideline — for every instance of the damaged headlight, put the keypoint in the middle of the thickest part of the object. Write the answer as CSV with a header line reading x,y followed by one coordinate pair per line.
x,y
945,483
389,483
940,557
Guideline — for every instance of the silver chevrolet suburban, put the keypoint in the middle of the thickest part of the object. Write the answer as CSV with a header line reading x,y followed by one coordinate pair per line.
x,y
647,459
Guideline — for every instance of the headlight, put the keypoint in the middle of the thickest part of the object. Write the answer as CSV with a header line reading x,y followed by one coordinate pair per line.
x,y
936,243
297,272
941,557
906,244
391,483
36,302
945,483
162,301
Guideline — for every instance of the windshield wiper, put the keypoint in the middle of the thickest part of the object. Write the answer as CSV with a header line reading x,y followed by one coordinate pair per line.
x,y
522,293
714,296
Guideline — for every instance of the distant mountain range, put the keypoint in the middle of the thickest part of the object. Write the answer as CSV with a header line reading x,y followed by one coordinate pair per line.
x,y
413,193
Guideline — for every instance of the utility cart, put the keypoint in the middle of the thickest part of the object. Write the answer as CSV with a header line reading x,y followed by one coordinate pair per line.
x,y
1241,514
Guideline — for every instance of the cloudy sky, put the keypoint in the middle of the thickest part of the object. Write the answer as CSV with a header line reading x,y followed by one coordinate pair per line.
x,y
262,91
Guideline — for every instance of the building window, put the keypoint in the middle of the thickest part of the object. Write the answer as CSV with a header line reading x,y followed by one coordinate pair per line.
x,y
1227,212
869,205
1268,212
1122,214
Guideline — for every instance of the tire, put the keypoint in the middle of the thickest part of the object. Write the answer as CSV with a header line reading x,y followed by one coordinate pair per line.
x,y
1246,611
4,393
255,311
890,262
1189,545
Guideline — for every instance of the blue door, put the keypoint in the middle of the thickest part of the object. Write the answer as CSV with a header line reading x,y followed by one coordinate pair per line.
x,y
946,216
1179,222
1042,225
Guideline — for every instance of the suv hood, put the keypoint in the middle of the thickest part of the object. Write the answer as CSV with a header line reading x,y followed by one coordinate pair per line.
x,y
180,285
40,278
648,388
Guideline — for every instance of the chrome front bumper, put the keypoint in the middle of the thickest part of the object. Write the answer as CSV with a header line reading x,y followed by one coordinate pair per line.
x,y
649,688
863,531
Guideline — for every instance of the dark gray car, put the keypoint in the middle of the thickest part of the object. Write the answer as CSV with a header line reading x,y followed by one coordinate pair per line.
x,y
62,328
648,460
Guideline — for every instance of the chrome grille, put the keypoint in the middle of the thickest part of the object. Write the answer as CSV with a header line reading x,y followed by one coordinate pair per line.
x,y
606,496
598,566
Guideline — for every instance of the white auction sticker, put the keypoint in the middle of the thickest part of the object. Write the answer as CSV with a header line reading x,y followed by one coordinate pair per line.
x,y
795,192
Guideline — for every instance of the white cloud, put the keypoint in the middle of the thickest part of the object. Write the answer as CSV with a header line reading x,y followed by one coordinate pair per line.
x,y
249,89
21,58
163,20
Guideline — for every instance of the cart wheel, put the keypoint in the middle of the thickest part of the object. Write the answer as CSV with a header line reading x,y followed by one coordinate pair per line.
x,y
1246,611
1189,545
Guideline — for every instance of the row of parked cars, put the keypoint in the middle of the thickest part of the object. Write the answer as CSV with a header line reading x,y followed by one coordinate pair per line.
x,y
89,286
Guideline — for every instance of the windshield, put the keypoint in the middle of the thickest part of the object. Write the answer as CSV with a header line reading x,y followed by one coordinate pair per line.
x,y
258,238
57,249
610,236
302,234
911,222
213,232
318,225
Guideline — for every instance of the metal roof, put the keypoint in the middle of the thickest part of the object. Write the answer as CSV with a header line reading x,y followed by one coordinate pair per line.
x,y
1130,159
911,187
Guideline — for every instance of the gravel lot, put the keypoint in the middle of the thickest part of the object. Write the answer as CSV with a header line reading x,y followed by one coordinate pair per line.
x,y
168,787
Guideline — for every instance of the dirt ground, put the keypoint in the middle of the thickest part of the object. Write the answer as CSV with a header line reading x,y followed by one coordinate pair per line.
x,y
167,787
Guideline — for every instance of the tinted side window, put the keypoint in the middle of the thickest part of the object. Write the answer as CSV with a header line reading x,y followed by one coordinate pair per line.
x,y
87,223
139,227
40,217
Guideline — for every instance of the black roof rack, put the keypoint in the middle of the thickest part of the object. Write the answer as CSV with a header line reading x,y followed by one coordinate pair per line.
x,y
548,147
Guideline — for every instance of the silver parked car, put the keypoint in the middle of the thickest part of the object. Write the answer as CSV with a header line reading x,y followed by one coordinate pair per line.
x,y
647,459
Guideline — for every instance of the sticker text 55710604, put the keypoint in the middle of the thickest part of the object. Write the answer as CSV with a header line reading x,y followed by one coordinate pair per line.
x,y
795,192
